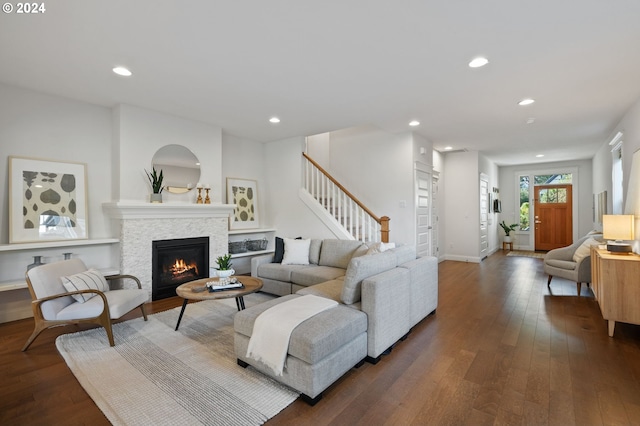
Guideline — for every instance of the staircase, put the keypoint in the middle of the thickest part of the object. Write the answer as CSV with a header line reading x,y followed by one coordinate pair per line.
x,y
337,208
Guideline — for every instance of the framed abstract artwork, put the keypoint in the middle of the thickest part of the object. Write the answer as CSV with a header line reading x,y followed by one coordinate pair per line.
x,y
243,193
47,200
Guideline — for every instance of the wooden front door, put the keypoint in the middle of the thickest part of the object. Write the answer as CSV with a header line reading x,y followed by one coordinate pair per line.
x,y
553,216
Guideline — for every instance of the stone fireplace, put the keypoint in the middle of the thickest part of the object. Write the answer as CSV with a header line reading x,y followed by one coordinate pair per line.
x,y
140,224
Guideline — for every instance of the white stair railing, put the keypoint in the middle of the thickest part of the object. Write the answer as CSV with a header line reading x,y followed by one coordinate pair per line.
x,y
359,222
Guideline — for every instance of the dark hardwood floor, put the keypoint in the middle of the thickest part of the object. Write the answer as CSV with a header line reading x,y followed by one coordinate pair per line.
x,y
501,349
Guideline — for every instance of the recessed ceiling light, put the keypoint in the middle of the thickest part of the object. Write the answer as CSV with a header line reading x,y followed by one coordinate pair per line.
x,y
448,148
414,123
478,62
530,120
527,101
122,71
274,120
539,155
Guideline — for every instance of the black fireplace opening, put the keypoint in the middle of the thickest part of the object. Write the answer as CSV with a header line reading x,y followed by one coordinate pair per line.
x,y
176,262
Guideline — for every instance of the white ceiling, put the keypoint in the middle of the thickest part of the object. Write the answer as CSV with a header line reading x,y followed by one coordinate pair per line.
x,y
328,65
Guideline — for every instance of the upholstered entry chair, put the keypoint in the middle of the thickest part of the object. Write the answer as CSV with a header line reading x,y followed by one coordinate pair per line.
x,y
67,292
572,262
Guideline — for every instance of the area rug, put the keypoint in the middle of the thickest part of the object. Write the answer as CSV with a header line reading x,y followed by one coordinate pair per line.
x,y
526,254
155,375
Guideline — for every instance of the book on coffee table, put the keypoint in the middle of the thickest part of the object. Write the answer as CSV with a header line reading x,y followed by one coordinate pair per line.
x,y
221,287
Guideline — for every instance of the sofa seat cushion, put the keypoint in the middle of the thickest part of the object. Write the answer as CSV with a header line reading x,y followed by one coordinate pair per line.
x,y
363,267
277,271
315,275
338,253
315,338
330,289
562,264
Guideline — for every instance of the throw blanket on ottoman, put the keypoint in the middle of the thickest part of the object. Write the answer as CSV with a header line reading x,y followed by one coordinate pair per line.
x,y
272,329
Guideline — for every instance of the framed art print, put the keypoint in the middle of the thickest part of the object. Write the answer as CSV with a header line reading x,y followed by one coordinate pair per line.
x,y
47,200
243,193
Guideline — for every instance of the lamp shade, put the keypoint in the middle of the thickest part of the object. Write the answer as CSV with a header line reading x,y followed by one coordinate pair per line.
x,y
618,226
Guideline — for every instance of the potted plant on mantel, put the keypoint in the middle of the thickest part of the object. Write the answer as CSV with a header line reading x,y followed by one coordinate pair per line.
x,y
224,266
507,230
155,179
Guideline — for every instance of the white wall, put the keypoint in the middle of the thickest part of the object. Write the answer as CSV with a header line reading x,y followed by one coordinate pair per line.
x,y
377,167
630,127
286,212
461,206
142,132
36,125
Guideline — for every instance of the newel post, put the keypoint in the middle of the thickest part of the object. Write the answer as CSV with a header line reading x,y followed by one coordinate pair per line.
x,y
384,229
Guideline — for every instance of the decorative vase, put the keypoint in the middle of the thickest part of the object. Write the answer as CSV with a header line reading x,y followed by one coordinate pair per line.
x,y
37,261
155,198
226,273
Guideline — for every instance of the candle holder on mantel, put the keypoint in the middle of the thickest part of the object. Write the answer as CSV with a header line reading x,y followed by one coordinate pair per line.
x,y
207,200
199,200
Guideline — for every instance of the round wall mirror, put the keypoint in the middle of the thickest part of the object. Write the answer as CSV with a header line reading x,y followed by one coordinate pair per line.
x,y
180,168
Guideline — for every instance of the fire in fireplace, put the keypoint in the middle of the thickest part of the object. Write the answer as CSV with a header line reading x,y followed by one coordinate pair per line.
x,y
177,261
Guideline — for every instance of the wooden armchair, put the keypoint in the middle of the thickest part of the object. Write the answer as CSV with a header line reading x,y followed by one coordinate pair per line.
x,y
67,292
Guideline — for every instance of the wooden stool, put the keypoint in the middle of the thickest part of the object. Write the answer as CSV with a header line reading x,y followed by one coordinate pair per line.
x,y
505,244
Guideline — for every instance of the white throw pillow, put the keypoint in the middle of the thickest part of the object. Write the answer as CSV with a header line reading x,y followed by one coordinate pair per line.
x,y
89,279
296,252
380,247
585,249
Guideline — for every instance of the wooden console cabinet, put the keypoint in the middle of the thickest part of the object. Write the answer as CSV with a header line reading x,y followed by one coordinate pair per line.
x,y
615,280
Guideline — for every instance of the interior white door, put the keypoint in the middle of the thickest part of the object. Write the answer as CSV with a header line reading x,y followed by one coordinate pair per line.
x,y
424,228
435,247
484,215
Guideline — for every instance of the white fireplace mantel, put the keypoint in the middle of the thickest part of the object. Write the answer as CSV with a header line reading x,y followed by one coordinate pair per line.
x,y
142,223
133,210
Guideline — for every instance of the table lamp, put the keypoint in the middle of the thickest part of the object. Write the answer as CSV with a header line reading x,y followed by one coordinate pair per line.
x,y
618,227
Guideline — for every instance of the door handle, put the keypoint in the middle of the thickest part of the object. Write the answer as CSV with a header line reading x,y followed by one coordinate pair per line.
x,y
538,221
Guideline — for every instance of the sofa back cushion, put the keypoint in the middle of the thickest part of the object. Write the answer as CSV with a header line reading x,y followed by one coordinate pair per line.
x,y
338,253
314,251
362,267
404,253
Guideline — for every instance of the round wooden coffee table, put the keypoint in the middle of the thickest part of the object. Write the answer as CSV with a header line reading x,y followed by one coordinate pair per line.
x,y
196,290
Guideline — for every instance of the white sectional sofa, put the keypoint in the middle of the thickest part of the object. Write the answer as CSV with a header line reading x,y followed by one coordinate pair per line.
x,y
380,297
393,288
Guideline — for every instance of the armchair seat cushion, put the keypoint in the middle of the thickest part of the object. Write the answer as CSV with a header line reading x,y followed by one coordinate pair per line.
x,y
562,264
120,302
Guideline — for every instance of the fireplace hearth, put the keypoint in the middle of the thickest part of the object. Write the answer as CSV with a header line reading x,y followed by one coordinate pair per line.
x,y
176,262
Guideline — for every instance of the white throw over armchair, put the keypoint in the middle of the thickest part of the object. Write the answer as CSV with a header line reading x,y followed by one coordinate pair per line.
x,y
66,292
